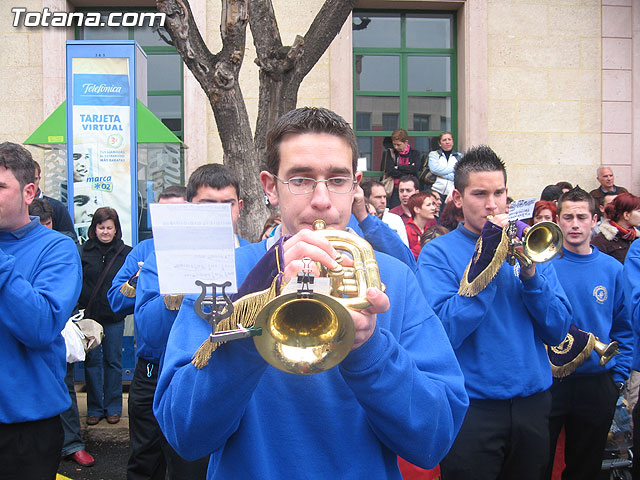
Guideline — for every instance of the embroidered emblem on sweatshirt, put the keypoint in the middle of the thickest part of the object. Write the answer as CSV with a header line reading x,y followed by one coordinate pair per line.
x,y
600,293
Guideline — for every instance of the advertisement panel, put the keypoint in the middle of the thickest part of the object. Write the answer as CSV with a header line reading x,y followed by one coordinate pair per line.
x,y
101,140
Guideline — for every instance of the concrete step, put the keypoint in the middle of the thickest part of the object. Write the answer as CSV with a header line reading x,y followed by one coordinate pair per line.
x,y
103,431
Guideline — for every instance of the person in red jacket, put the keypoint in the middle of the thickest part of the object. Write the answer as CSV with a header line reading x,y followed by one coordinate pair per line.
x,y
423,209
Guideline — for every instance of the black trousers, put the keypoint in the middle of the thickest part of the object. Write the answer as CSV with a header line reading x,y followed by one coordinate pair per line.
x,y
151,455
501,439
635,416
585,406
30,450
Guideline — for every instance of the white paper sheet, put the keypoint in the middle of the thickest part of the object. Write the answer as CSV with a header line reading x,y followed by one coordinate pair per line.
x,y
520,209
193,242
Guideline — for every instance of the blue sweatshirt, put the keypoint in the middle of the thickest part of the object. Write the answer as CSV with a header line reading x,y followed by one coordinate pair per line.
x,y
119,302
383,239
400,393
595,287
40,281
499,335
632,297
153,320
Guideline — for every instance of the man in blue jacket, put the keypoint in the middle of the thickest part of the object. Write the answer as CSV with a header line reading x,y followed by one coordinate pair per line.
x,y
398,392
150,453
585,401
498,333
40,281
632,299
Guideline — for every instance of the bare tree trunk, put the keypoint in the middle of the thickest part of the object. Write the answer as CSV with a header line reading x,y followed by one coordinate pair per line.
x,y
282,69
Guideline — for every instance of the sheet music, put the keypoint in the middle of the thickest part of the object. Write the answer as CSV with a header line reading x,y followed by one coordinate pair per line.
x,y
193,242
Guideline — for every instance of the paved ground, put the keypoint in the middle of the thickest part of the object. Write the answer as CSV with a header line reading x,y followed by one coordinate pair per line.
x,y
109,445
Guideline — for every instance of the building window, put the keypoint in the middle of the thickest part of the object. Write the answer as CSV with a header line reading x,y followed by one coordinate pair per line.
x,y
404,77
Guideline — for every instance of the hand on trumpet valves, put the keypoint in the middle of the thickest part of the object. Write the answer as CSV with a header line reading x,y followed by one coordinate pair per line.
x,y
307,244
526,271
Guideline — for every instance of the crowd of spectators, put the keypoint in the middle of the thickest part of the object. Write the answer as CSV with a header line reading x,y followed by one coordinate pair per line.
x,y
433,217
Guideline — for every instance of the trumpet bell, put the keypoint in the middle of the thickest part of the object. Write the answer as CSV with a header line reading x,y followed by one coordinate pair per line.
x,y
304,336
606,352
542,242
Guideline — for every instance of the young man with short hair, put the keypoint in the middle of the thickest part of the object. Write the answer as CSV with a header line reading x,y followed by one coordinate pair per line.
x,y
210,183
407,186
40,282
375,193
585,401
398,392
498,330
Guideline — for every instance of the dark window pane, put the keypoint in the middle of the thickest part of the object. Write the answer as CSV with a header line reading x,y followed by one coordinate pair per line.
x,y
428,74
423,144
104,33
363,121
365,149
149,36
168,108
390,121
429,32
164,72
436,109
371,148
377,73
421,122
372,30
377,108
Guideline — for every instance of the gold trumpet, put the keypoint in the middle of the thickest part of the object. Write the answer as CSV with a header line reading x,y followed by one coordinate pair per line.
x,y
310,331
541,243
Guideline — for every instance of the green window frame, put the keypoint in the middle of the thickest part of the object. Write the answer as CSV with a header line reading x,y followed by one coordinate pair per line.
x,y
362,121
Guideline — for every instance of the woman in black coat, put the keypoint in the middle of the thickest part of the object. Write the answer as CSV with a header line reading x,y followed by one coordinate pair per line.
x,y
104,252
402,160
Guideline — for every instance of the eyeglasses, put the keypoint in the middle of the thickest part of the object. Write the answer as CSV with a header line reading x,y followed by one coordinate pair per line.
x,y
305,186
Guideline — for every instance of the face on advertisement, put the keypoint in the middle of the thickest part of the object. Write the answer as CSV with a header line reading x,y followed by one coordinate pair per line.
x,y
84,207
81,164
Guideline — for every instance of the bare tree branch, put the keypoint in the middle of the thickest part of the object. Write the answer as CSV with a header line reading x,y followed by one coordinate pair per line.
x,y
326,25
282,69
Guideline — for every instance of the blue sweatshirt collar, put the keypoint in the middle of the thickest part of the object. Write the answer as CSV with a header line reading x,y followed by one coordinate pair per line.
x,y
21,232
575,257
467,233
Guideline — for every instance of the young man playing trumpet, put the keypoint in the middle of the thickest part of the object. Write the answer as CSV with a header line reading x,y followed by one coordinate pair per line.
x,y
498,327
584,402
399,391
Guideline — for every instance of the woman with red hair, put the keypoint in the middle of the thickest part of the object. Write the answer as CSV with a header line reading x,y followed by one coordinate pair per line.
x,y
544,211
423,209
618,228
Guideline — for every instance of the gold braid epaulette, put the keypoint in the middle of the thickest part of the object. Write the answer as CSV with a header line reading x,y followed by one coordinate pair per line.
x,y
245,312
127,289
471,289
173,302
561,371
